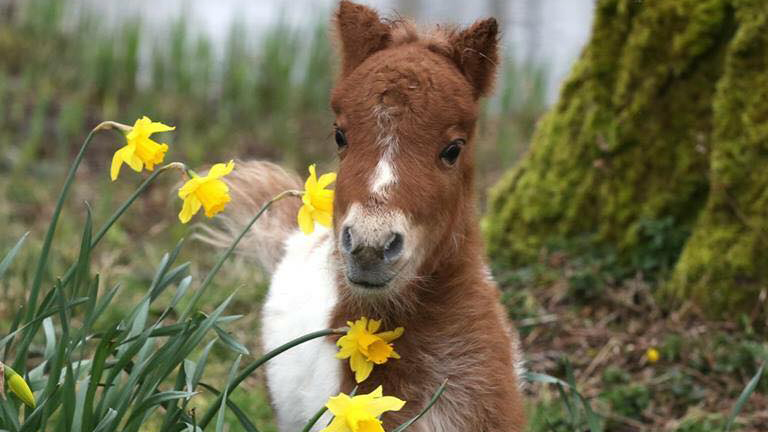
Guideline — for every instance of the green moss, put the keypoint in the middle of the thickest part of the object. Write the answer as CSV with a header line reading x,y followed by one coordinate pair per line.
x,y
723,265
664,117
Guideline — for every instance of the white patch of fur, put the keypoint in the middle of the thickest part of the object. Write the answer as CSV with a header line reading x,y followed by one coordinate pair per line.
x,y
384,176
300,300
517,357
373,225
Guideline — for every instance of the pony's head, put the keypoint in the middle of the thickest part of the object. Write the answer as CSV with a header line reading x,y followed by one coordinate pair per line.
x,y
406,107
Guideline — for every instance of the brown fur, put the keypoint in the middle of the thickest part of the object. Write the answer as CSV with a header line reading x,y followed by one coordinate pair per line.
x,y
423,87
455,327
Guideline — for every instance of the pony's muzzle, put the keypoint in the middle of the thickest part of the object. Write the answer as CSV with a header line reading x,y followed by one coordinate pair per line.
x,y
370,262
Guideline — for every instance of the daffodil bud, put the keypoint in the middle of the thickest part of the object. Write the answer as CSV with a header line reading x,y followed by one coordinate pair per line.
x,y
19,387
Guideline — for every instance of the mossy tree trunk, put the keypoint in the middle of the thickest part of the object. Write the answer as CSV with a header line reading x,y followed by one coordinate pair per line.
x,y
662,123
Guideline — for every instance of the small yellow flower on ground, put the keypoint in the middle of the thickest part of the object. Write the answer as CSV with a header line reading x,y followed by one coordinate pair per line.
x,y
318,201
208,191
18,386
140,151
360,413
652,355
364,347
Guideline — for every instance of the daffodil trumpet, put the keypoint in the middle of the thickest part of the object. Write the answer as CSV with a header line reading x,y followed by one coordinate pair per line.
x,y
208,192
365,348
140,150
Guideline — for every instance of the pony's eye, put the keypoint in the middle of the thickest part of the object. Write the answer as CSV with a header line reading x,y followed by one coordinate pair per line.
x,y
451,152
341,139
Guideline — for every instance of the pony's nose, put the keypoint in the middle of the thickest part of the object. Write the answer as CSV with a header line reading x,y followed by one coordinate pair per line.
x,y
370,262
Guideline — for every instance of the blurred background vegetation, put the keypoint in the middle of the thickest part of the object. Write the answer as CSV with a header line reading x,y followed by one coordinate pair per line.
x,y
264,94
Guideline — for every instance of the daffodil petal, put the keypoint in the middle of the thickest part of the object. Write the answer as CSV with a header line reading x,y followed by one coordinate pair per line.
x,y
135,162
311,183
190,208
326,179
377,392
389,336
386,403
373,325
338,424
189,187
338,404
117,162
361,367
155,127
347,347
369,425
220,170
306,224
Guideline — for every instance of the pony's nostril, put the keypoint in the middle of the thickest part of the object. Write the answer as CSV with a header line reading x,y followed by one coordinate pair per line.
x,y
394,247
346,239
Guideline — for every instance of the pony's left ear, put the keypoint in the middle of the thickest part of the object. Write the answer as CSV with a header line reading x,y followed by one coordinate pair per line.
x,y
476,52
361,33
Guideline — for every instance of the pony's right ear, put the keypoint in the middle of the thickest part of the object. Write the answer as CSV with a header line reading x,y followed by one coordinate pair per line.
x,y
361,33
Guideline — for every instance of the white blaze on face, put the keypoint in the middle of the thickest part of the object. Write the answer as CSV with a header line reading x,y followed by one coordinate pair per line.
x,y
384,176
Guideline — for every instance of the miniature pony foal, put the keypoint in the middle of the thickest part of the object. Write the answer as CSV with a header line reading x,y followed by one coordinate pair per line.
x,y
405,246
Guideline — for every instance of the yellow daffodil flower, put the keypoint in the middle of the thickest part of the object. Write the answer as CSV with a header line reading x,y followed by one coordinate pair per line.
x,y
364,347
208,191
360,413
18,386
140,151
652,355
318,201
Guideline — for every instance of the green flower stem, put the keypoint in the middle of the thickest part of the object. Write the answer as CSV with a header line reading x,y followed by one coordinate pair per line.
x,y
42,263
314,419
212,273
435,397
213,409
119,212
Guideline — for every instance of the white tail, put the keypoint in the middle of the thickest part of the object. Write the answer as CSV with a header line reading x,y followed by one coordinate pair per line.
x,y
251,184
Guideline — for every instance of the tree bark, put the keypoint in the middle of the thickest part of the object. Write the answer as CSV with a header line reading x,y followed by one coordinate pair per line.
x,y
657,150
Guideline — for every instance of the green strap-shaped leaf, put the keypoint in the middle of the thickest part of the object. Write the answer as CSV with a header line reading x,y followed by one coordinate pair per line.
x,y
8,259
743,397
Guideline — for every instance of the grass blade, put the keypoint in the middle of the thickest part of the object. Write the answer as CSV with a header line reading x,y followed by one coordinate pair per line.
x,y
8,259
230,342
222,408
106,422
143,409
42,262
743,397
242,417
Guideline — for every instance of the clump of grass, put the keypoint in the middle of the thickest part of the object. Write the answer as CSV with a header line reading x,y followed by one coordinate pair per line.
x,y
99,374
